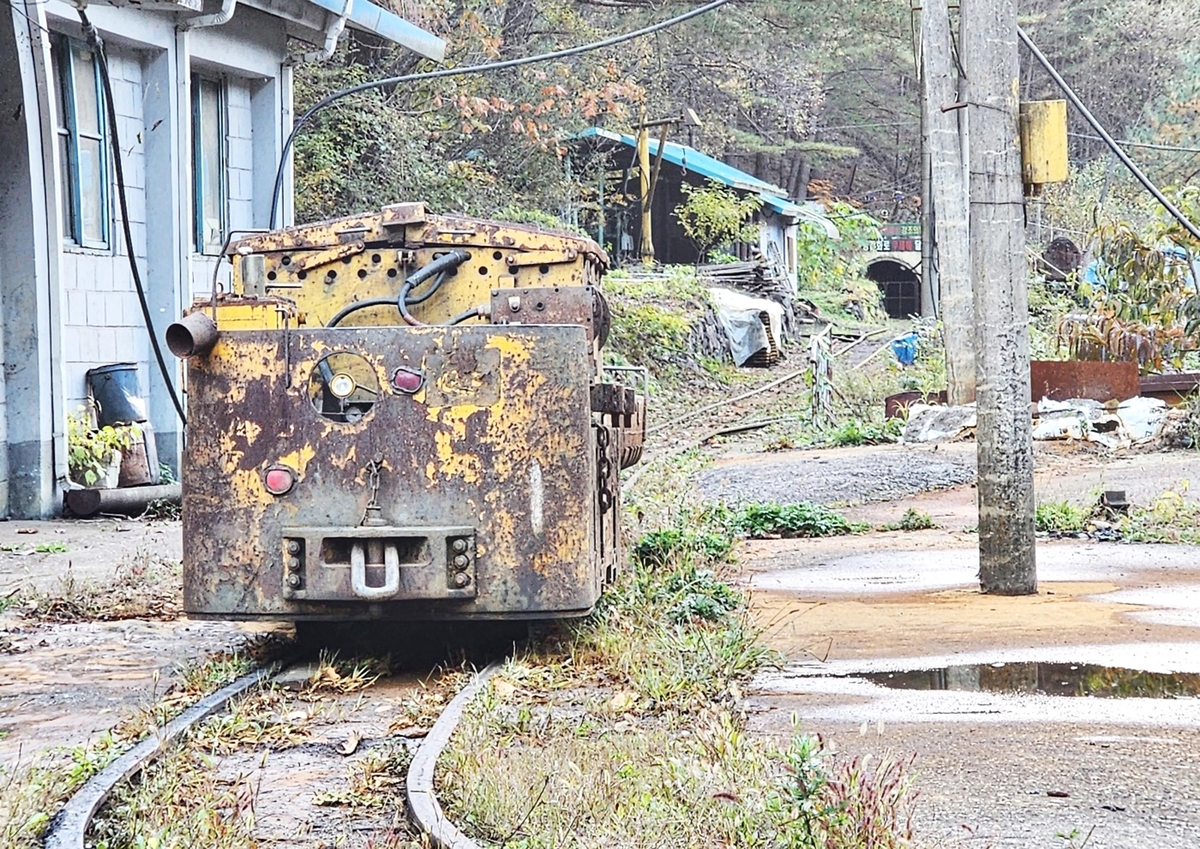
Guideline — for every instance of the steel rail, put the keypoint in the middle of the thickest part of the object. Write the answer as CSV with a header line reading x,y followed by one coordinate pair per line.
x,y
423,805
69,828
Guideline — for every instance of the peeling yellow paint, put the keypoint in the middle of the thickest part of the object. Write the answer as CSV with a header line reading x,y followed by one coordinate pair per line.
x,y
299,459
454,463
249,430
515,348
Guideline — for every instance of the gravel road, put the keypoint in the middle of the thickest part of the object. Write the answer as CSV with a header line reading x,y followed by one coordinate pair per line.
x,y
840,476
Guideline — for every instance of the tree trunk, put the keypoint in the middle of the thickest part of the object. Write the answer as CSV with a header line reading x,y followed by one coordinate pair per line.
x,y
517,25
947,202
1004,445
802,183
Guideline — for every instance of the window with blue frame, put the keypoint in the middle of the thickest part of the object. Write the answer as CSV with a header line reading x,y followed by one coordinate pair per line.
x,y
210,185
82,143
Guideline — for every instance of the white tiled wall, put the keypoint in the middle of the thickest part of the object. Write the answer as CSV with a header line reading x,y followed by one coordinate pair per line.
x,y
102,321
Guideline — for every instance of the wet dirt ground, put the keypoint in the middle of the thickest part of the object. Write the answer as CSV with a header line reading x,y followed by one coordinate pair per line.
x,y
88,548
994,769
62,683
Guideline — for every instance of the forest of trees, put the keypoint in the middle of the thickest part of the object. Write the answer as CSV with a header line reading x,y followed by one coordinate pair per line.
x,y
817,96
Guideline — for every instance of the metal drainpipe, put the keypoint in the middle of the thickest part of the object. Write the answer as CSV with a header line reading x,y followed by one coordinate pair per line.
x,y
332,33
228,7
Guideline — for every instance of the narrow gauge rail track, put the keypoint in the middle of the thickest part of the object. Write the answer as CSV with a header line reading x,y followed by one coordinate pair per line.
x,y
696,426
71,825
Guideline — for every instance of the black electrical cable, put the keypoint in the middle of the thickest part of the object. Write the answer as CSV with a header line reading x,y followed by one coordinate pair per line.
x,y
93,38
359,305
463,316
441,266
1108,139
412,301
409,300
466,70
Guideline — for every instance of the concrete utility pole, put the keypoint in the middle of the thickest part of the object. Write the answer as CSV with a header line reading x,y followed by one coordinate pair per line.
x,y
1004,442
947,239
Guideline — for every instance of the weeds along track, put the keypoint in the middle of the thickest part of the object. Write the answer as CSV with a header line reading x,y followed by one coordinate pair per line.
x,y
692,423
321,751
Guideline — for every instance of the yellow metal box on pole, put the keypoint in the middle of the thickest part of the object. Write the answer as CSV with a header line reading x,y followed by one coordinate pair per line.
x,y
1043,143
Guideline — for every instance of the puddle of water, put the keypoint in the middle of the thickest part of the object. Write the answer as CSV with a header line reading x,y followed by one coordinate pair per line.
x,y
902,571
1049,679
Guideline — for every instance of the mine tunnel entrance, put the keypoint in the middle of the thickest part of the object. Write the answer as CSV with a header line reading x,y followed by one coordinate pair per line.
x,y
899,285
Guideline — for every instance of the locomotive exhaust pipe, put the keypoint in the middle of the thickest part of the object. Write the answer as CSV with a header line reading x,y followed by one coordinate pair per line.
x,y
192,335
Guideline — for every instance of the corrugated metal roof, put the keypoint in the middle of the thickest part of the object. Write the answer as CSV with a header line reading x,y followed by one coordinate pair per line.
x,y
693,160
690,159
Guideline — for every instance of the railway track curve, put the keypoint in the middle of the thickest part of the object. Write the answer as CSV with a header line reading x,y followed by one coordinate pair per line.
x,y
70,827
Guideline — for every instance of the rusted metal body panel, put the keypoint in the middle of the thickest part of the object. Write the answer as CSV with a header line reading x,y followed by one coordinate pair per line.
x,y
324,266
1174,389
383,470
481,493
1060,381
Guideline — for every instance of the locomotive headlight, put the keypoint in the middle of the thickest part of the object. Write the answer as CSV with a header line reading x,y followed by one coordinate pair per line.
x,y
342,385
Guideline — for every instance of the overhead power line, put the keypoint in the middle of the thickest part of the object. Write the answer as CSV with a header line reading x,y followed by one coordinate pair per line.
x,y
1147,145
489,67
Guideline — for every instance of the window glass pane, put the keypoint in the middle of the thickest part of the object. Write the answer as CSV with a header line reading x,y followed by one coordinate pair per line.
x,y
87,107
212,168
60,90
64,154
91,193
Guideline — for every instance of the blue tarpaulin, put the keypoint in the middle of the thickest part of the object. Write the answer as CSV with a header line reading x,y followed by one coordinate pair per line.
x,y
905,349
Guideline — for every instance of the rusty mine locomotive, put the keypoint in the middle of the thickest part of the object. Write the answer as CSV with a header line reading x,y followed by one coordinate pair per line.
x,y
404,416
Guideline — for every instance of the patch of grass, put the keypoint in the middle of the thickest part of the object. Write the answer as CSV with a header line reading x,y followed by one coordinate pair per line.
x,y
1170,519
857,432
193,680
265,718
30,795
334,675
659,549
679,639
597,780
51,548
769,519
1058,517
912,520
144,586
850,804
181,800
698,594
648,333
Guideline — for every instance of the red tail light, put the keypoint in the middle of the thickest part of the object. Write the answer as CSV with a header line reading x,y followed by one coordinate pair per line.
x,y
279,480
407,380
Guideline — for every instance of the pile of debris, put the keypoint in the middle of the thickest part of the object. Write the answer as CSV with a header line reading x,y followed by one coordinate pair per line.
x,y
765,280
1112,425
